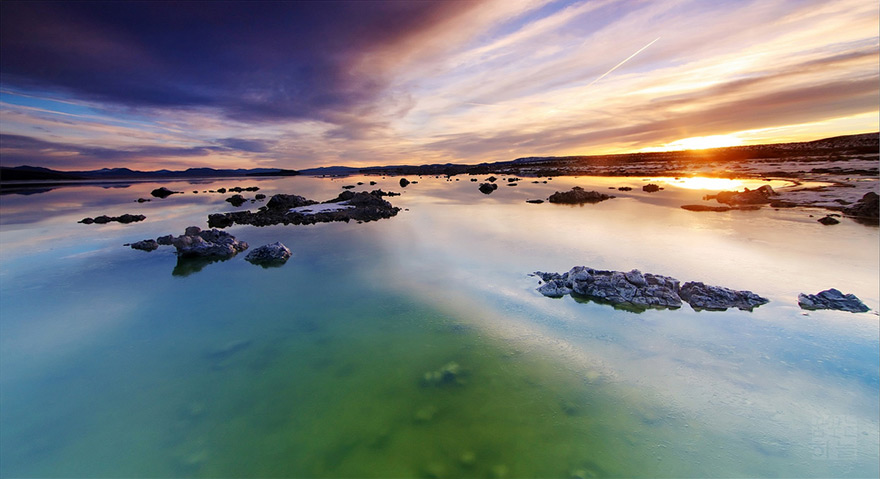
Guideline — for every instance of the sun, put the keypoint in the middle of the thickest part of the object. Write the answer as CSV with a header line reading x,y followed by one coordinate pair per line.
x,y
699,143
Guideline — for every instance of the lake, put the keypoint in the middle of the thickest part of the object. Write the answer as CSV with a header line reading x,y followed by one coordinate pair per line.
x,y
123,363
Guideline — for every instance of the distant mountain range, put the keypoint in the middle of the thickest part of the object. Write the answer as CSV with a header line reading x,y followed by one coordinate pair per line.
x,y
866,143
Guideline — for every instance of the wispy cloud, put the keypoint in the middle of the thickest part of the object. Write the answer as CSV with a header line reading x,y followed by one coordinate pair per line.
x,y
395,82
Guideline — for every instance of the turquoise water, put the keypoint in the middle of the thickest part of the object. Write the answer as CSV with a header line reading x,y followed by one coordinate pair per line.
x,y
122,363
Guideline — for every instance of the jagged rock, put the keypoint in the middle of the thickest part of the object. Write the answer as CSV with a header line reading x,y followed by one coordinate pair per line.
x,y
716,298
104,219
832,299
487,188
145,245
828,220
404,182
639,291
285,202
868,207
578,195
163,192
210,243
165,240
651,188
758,196
236,200
275,253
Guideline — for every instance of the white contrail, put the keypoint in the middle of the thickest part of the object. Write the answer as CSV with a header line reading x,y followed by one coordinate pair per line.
x,y
615,67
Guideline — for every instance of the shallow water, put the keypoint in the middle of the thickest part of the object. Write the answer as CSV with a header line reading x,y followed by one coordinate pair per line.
x,y
116,362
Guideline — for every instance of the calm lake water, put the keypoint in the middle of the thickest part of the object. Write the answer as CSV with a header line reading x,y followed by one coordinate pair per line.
x,y
123,363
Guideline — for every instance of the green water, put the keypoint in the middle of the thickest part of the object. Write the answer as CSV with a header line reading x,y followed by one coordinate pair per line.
x,y
115,366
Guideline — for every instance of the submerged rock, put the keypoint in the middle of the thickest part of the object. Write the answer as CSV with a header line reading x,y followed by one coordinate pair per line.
x,y
832,299
270,254
487,188
450,374
716,298
163,192
578,195
637,291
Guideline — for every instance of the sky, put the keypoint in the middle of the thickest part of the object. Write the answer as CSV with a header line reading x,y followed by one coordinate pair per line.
x,y
153,85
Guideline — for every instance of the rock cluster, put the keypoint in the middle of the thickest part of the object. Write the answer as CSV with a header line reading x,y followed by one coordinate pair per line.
x,y
578,195
270,254
281,209
195,243
832,299
104,219
639,291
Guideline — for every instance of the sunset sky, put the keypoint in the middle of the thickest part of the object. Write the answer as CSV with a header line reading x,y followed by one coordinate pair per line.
x,y
156,85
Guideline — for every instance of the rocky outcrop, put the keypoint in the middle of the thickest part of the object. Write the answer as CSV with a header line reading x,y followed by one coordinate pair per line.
x,y
716,298
828,220
209,243
637,291
292,209
270,254
832,299
104,219
487,188
163,192
578,195
867,208
758,196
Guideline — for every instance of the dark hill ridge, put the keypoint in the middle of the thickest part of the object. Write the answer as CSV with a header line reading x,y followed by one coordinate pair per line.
x,y
861,144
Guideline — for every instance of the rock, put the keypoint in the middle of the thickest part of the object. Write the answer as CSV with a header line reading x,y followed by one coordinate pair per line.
x,y
828,220
758,196
449,374
487,188
210,243
491,179
637,291
372,183
536,202
163,192
651,188
578,195
348,187
143,200
717,298
625,188
104,219
404,182
866,208
236,200
221,190
832,299
275,253
145,245
165,240
259,196
285,202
